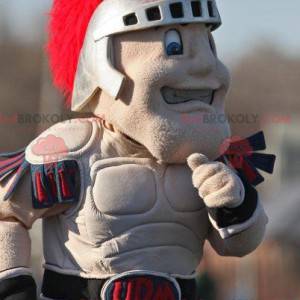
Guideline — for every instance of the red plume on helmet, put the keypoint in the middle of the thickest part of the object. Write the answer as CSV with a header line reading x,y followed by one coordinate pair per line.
x,y
68,24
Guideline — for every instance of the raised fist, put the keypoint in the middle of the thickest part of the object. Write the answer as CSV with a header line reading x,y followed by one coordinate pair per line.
x,y
218,185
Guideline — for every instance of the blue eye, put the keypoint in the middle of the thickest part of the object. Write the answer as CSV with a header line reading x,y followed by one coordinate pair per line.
x,y
174,49
173,43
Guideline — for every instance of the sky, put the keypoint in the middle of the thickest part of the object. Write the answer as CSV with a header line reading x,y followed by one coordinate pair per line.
x,y
246,23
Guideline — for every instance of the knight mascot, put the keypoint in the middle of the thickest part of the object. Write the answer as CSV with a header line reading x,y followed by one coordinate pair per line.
x,y
129,196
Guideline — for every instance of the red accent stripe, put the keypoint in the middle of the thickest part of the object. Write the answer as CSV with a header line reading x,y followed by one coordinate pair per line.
x,y
117,293
66,193
143,283
11,166
169,292
164,292
52,184
130,290
41,193
8,161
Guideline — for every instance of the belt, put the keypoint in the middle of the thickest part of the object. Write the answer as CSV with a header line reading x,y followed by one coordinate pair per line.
x,y
127,286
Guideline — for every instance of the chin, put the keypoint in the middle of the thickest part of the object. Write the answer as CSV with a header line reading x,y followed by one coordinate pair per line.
x,y
173,142
170,136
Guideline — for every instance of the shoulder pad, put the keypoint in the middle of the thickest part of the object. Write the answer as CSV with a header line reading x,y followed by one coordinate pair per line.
x,y
63,141
51,183
51,159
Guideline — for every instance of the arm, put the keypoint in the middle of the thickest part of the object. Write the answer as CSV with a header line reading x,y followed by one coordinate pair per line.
x,y
238,231
236,215
44,180
16,218
241,243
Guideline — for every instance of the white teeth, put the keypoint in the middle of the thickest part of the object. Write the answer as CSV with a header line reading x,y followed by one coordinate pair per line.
x,y
175,96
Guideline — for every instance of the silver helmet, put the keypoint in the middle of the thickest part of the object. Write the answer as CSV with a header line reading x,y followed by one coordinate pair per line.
x,y
96,63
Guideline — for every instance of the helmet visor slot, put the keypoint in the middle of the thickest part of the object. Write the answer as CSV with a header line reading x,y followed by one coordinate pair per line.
x,y
153,13
130,19
196,8
211,9
176,10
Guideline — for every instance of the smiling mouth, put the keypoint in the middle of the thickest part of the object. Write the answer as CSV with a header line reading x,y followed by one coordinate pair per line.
x,y
178,96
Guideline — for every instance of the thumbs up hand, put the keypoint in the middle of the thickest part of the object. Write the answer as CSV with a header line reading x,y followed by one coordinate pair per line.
x,y
217,184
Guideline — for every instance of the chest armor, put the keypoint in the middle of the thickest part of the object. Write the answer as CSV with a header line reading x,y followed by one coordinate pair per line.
x,y
133,213
137,214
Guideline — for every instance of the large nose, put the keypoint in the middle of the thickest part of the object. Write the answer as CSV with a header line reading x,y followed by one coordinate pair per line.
x,y
202,59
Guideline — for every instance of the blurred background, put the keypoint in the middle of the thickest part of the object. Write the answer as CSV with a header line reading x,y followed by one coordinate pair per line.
x,y
259,43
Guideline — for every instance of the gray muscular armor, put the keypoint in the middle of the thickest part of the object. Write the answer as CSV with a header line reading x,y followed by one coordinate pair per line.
x,y
133,213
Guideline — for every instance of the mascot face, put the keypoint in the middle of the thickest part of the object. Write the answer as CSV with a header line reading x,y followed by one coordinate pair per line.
x,y
173,93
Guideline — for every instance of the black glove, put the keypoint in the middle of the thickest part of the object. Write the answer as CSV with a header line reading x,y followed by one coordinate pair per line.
x,y
231,216
18,288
